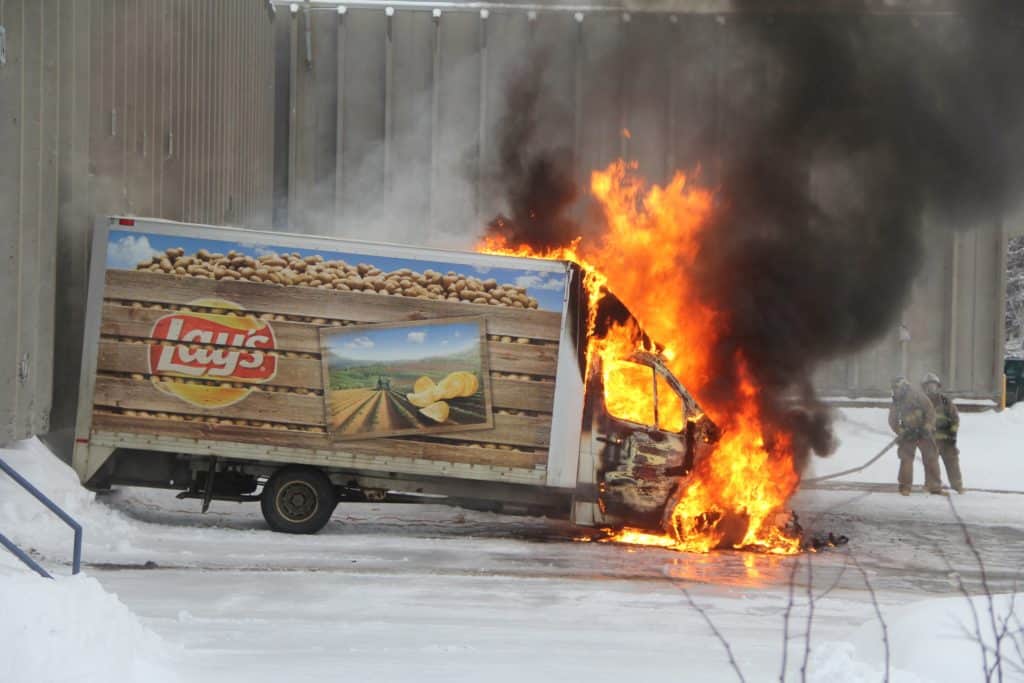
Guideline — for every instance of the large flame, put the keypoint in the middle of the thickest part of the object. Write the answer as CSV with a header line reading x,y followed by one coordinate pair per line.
x,y
646,256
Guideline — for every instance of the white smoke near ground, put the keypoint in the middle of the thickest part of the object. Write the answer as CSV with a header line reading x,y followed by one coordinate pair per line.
x,y
413,189
438,181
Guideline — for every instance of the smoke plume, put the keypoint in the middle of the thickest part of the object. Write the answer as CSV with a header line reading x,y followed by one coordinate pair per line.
x,y
862,125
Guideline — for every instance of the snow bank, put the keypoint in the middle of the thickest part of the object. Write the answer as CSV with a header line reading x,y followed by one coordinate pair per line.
x,y
29,524
68,629
990,446
936,640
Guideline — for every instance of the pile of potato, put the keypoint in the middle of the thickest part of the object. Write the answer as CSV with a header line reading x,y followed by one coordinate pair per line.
x,y
221,421
313,271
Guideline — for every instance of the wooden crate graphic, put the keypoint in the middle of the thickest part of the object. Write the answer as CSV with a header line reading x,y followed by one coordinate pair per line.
x,y
133,396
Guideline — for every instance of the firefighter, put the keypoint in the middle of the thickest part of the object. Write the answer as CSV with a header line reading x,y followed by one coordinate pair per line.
x,y
947,423
912,418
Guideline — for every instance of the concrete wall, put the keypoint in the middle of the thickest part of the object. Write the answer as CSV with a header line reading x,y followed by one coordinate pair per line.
x,y
158,108
399,113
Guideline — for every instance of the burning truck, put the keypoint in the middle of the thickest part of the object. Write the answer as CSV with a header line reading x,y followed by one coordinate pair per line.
x,y
298,372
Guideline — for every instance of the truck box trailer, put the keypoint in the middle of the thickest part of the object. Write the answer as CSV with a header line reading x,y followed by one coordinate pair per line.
x,y
299,371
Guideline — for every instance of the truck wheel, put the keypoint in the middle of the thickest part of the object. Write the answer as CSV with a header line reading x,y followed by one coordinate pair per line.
x,y
298,500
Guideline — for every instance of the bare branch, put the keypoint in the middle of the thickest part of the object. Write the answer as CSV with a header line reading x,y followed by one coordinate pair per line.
x,y
714,629
974,612
1016,636
878,613
839,577
997,665
1017,640
785,618
810,619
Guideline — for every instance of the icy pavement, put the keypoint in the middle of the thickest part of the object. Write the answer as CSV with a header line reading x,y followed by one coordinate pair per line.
x,y
427,593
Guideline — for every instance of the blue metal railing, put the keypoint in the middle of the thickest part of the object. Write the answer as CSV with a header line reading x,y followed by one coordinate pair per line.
x,y
76,562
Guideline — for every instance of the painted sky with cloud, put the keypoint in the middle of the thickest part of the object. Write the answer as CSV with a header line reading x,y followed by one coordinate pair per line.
x,y
402,343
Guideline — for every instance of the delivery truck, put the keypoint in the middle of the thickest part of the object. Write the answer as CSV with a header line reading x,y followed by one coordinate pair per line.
x,y
299,371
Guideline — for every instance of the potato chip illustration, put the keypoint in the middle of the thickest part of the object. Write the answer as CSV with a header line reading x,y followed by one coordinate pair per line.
x,y
458,384
424,398
438,412
470,383
422,384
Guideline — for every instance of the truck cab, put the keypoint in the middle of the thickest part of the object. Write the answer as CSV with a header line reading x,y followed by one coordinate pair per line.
x,y
642,456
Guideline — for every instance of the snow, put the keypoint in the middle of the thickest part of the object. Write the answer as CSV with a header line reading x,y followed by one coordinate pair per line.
x,y
68,629
71,629
938,641
429,593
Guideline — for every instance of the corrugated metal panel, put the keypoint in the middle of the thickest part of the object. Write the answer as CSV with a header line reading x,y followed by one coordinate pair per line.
x,y
161,108
394,112
181,122
30,118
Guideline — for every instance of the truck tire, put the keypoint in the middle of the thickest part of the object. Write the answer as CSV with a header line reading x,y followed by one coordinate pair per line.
x,y
298,500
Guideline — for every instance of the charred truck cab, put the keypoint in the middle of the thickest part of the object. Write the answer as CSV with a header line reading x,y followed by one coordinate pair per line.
x,y
642,465
298,372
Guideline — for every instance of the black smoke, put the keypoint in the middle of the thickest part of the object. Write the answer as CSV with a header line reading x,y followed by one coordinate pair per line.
x,y
535,172
863,125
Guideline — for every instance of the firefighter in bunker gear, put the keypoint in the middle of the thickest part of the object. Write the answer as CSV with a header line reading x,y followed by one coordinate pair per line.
x,y
912,419
947,423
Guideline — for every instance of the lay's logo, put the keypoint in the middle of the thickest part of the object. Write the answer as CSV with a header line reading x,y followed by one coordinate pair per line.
x,y
244,354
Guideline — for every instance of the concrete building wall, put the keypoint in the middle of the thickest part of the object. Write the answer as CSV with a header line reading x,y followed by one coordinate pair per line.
x,y
159,108
397,110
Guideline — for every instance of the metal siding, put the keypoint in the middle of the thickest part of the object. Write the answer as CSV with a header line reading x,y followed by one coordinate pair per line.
x,y
426,106
411,122
458,122
75,192
11,76
29,136
156,107
363,111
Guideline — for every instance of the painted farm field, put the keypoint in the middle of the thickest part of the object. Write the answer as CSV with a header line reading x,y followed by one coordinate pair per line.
x,y
424,377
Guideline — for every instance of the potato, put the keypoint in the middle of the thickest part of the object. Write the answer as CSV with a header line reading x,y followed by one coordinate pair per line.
x,y
423,384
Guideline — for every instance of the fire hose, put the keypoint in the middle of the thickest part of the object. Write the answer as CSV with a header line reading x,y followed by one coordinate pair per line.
x,y
852,470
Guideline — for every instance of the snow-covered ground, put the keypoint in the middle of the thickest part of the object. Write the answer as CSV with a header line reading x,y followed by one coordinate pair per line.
x,y
427,593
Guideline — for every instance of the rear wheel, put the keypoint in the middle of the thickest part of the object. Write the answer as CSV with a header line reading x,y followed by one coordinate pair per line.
x,y
298,500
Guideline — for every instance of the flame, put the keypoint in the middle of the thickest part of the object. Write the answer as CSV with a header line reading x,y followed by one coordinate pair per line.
x,y
647,256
